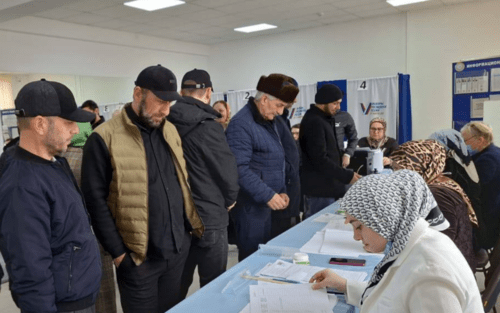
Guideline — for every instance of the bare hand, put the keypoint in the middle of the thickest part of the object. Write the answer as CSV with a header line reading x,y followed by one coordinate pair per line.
x,y
277,203
327,278
231,206
285,197
387,161
119,260
346,160
355,178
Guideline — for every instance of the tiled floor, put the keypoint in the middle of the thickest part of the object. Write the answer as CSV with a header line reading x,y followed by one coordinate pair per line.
x,y
8,306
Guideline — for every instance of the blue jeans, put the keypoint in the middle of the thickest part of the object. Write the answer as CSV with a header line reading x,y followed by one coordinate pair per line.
x,y
313,205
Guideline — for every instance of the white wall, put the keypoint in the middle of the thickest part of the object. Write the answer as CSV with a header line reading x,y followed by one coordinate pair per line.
x,y
361,49
423,44
436,39
38,45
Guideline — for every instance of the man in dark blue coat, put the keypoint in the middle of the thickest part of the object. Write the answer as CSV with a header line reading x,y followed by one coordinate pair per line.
x,y
50,250
254,138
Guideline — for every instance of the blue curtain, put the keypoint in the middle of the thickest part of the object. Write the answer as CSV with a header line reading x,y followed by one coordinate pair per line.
x,y
405,126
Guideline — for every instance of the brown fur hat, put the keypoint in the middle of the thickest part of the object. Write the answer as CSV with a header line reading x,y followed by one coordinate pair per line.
x,y
279,86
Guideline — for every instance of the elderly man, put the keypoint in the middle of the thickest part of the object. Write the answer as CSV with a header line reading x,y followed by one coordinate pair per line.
x,y
134,179
255,137
323,177
50,250
213,176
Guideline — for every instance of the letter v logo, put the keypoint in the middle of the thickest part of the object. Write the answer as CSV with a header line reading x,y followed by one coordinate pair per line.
x,y
365,110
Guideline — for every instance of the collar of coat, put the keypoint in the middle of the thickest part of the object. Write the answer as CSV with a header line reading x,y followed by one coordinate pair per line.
x,y
200,104
256,114
317,111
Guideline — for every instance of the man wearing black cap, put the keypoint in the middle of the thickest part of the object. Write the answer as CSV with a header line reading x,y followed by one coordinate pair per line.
x,y
213,176
322,178
50,250
255,137
134,180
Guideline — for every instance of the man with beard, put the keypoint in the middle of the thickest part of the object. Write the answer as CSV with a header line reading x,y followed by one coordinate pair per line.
x,y
45,235
134,180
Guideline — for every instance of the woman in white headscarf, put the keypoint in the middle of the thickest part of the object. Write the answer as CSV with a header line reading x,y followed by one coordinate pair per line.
x,y
422,271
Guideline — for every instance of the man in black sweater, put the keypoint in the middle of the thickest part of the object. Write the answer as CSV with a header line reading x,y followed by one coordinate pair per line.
x,y
323,178
213,176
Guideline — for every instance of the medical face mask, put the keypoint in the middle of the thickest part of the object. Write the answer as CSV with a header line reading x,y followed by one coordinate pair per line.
x,y
470,150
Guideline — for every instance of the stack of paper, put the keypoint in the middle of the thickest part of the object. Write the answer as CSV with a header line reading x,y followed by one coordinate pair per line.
x,y
288,299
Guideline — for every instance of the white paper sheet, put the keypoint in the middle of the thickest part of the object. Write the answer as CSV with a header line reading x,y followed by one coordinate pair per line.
x,y
338,224
341,243
326,217
314,244
288,299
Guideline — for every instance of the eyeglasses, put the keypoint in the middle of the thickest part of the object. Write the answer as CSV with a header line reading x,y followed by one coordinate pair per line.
x,y
469,138
376,129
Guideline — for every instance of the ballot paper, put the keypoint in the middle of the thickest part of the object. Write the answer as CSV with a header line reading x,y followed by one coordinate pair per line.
x,y
282,270
326,217
288,299
337,242
338,224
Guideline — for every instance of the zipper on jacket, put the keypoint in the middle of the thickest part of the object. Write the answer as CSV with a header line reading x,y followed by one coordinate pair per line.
x,y
73,251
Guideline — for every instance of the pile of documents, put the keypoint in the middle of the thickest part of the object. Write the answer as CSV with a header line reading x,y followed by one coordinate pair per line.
x,y
297,296
336,239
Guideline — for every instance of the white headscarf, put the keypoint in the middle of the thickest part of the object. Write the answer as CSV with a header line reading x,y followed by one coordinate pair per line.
x,y
390,205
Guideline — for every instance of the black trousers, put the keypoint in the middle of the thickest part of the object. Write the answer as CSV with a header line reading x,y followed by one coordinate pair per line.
x,y
281,225
154,285
210,255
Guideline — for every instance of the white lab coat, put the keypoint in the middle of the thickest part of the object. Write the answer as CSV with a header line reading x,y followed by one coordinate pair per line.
x,y
430,275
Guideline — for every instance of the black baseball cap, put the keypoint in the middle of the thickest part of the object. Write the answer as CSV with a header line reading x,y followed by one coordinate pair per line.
x,y
47,98
161,81
200,77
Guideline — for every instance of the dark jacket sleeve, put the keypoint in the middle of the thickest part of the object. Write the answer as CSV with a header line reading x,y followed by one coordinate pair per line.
x,y
392,145
30,262
316,151
352,136
221,164
240,142
96,177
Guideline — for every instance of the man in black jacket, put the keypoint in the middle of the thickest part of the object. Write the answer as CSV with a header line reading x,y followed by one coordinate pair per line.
x,y
323,178
50,250
213,176
92,107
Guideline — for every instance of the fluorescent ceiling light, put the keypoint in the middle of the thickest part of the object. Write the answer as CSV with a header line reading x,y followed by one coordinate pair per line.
x,y
396,3
254,28
153,5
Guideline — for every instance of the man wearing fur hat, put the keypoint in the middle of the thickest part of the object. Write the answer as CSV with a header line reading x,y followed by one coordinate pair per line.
x,y
255,138
323,178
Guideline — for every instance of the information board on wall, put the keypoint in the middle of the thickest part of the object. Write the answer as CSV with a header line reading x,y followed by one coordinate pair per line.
x,y
8,121
474,83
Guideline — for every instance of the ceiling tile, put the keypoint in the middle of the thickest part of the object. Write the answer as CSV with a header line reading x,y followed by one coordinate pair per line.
x,y
116,11
182,9
85,18
355,3
214,3
202,15
378,12
212,31
57,13
88,5
338,19
167,22
368,7
138,28
240,7
420,6
114,24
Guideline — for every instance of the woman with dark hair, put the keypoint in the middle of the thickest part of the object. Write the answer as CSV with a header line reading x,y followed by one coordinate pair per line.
x,y
224,109
427,158
422,270
378,139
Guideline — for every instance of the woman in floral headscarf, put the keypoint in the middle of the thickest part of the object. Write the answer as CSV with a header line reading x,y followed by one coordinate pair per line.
x,y
378,139
422,270
428,157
